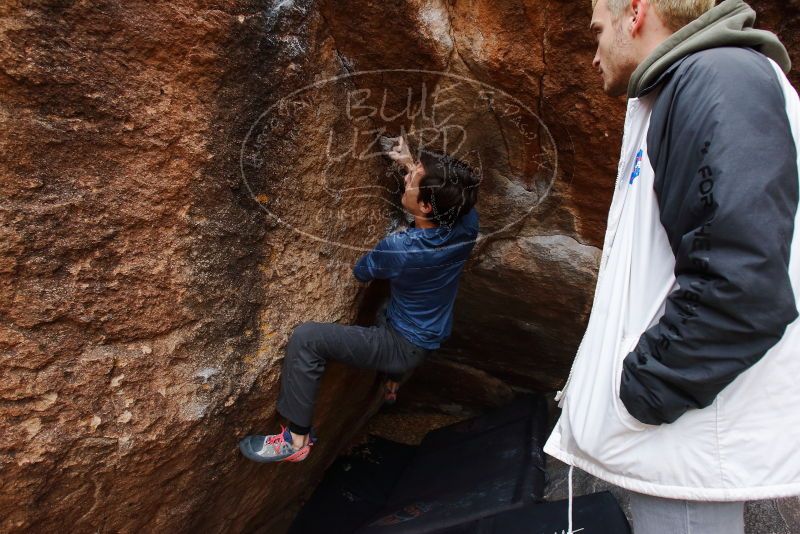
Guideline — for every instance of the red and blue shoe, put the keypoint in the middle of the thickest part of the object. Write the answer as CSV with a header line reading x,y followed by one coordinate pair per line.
x,y
274,448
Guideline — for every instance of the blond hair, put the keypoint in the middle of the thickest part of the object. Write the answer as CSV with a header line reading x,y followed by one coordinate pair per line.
x,y
675,13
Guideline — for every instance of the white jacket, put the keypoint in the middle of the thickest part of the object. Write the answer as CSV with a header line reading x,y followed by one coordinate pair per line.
x,y
746,444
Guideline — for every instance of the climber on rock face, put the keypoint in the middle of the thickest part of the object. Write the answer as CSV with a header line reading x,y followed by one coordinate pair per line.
x,y
423,265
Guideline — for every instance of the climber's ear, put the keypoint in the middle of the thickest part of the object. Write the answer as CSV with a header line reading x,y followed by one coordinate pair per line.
x,y
425,208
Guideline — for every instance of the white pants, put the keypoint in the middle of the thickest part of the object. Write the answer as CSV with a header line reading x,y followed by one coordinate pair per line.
x,y
655,515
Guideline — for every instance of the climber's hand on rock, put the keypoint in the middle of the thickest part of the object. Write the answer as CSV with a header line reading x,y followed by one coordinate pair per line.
x,y
401,153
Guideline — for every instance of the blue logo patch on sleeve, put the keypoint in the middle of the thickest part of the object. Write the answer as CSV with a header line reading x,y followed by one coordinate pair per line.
x,y
637,167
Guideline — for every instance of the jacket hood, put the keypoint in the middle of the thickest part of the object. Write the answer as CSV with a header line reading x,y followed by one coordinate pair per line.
x,y
728,24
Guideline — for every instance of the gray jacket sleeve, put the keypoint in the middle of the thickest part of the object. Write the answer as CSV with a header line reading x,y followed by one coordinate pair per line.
x,y
727,185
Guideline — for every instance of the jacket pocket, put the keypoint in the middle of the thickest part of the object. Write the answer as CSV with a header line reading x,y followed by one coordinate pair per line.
x,y
629,421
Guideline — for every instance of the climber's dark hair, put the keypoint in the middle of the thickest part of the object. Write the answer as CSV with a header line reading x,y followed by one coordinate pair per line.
x,y
449,185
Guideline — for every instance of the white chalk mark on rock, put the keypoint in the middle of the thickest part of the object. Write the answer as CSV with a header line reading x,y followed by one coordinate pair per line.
x,y
125,417
207,373
95,422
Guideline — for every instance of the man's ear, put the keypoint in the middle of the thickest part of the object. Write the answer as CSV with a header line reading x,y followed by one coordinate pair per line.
x,y
638,13
425,208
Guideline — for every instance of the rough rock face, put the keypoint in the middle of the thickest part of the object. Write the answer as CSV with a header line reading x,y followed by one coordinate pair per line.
x,y
146,296
180,189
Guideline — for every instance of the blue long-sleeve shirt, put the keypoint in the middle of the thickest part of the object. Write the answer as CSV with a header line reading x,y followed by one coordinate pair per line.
x,y
424,266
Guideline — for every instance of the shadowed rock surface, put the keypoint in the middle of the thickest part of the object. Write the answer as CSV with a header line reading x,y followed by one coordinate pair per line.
x,y
179,190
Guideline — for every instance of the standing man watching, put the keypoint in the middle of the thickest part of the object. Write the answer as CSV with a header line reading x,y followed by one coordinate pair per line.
x,y
684,389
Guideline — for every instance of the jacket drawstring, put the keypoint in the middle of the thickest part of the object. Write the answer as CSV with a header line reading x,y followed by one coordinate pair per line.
x,y
569,502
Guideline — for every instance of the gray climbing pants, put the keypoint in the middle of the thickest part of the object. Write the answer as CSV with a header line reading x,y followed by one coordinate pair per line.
x,y
311,345
655,515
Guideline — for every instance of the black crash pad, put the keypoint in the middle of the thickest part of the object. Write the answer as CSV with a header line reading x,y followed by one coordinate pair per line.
x,y
470,470
482,476
355,488
598,513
